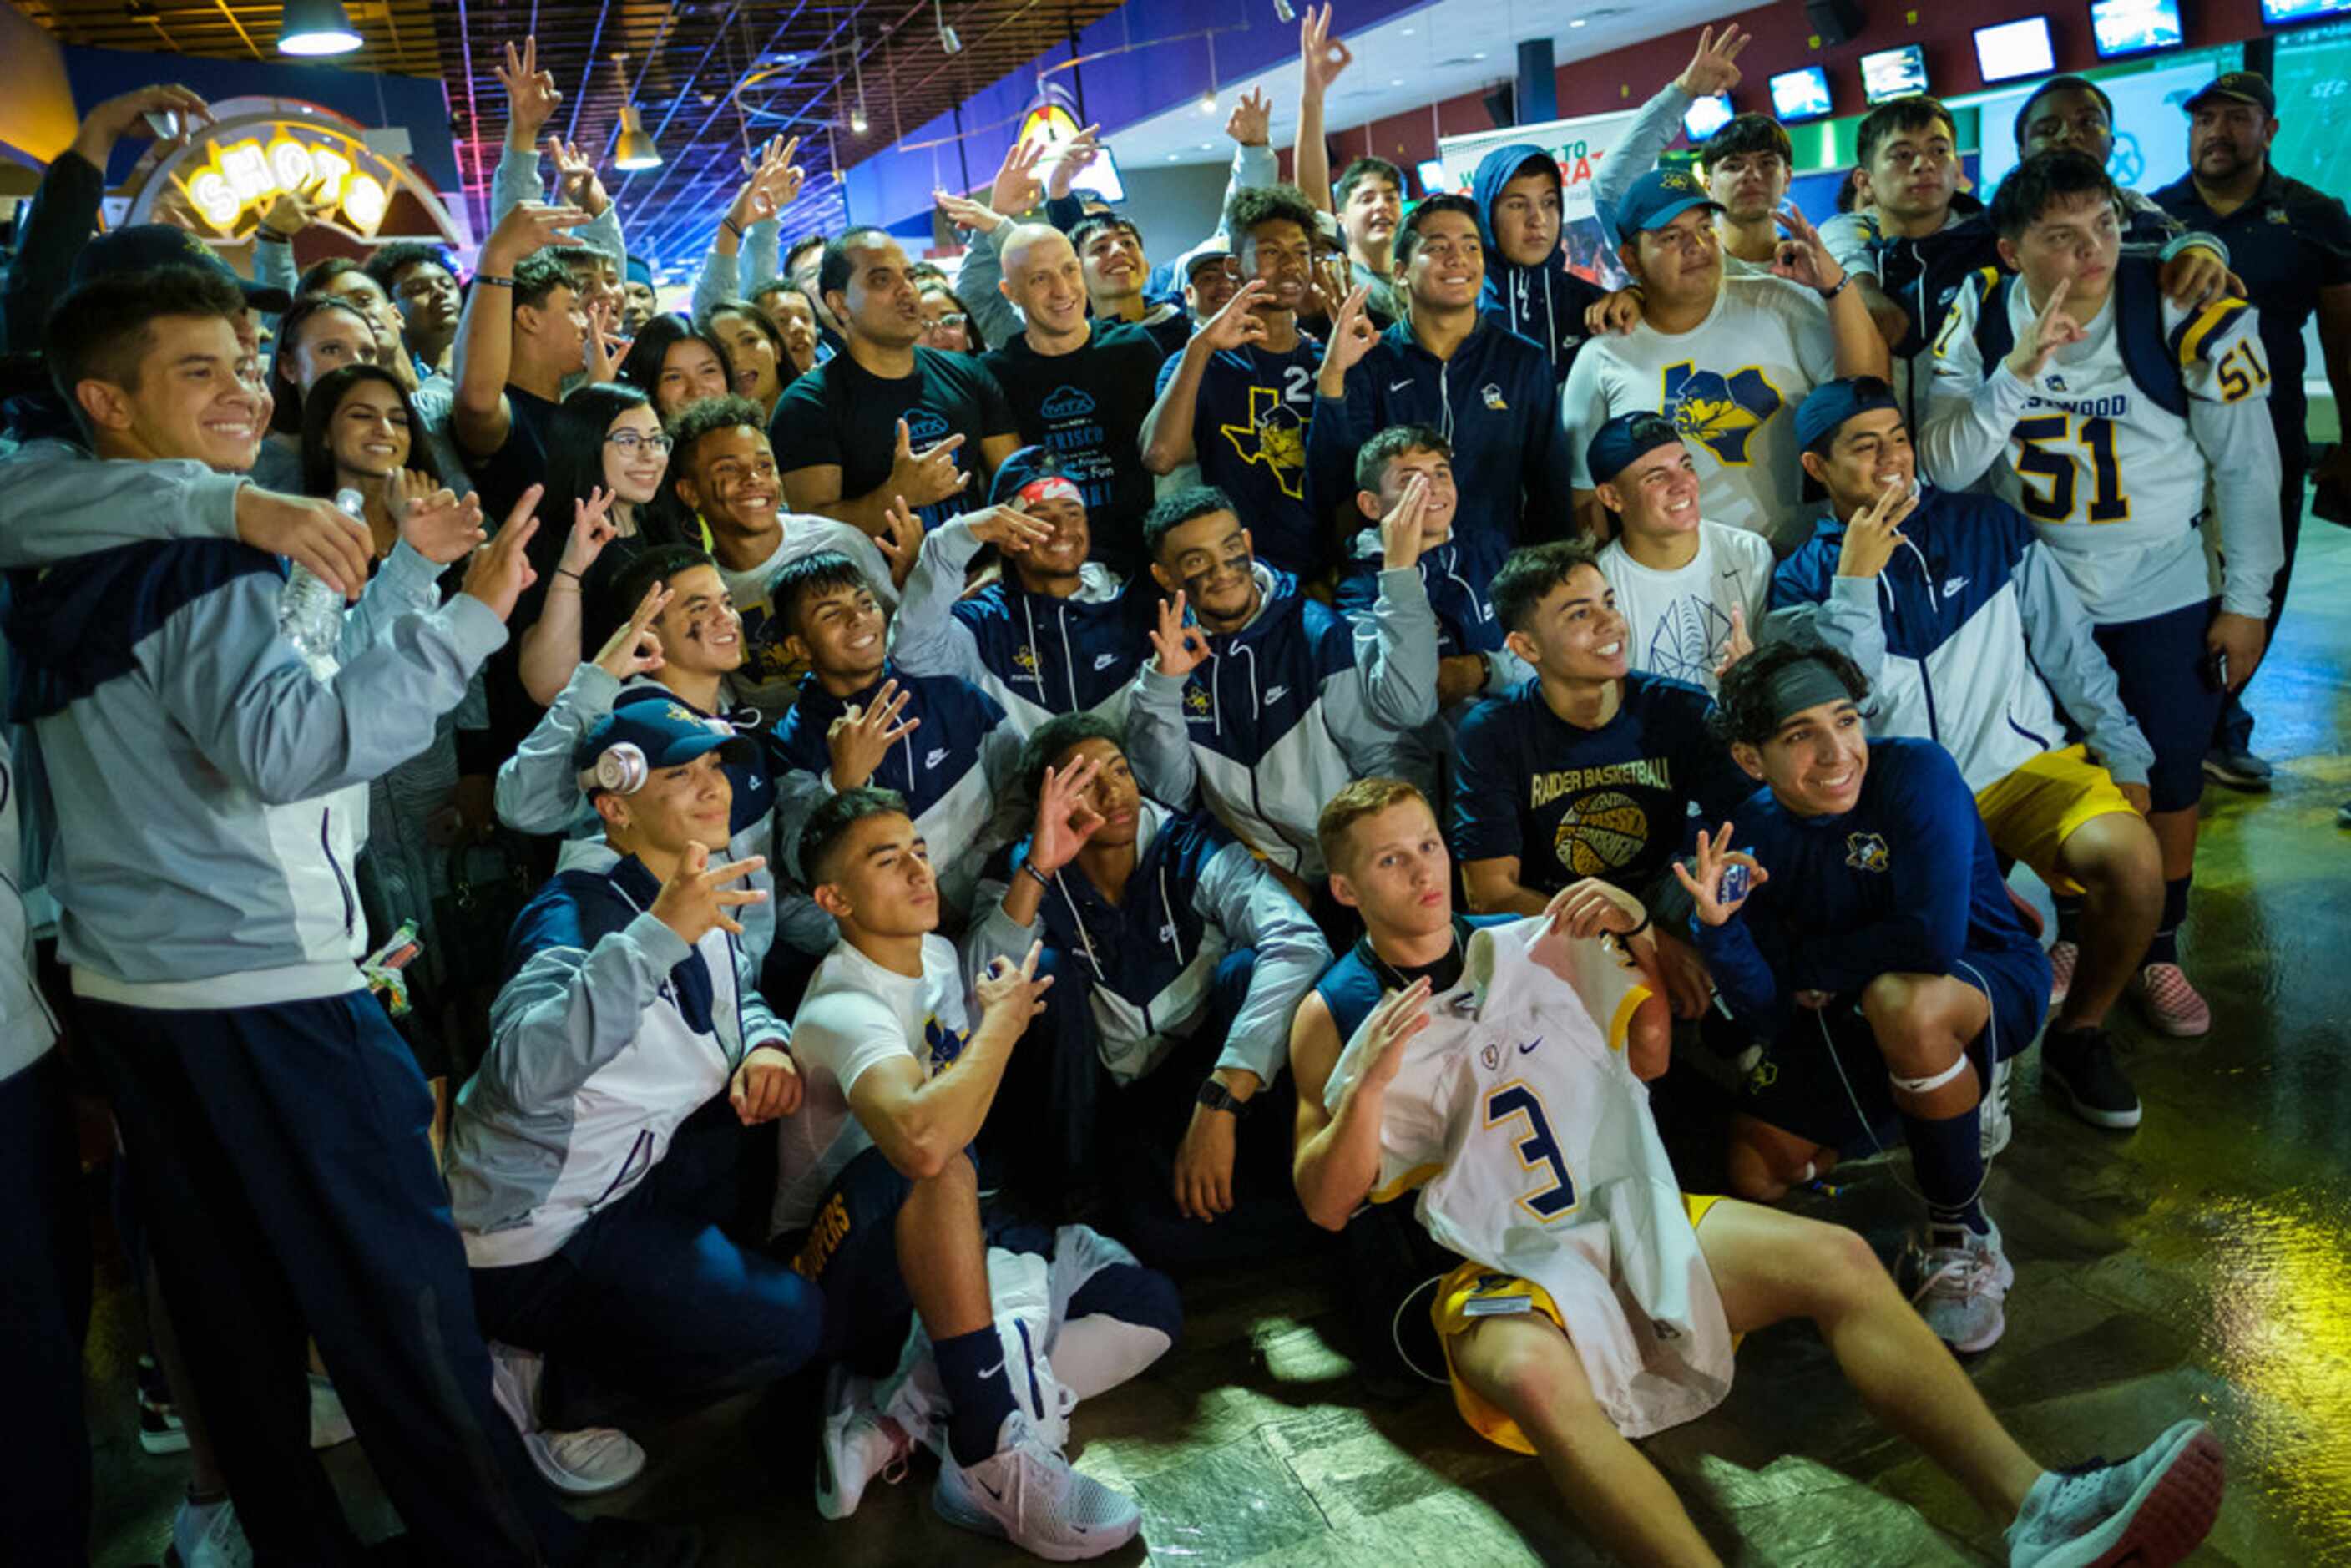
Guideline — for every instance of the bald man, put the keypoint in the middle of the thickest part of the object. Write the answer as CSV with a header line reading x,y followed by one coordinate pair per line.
x,y
1078,387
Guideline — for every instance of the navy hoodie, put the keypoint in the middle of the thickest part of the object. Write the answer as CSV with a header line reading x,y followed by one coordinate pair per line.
x,y
1495,401
1545,303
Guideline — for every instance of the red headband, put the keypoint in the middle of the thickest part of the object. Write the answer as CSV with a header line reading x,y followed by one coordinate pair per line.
x,y
1049,488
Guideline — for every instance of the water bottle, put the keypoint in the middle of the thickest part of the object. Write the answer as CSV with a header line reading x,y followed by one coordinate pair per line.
x,y
309,613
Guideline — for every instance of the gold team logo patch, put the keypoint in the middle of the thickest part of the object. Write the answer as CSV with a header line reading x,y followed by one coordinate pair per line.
x,y
1865,851
1601,833
1196,701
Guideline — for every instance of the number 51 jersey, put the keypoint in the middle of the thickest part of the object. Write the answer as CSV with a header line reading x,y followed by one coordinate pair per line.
x,y
1530,1140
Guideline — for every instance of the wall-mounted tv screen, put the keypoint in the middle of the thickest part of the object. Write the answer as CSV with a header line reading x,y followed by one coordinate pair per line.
x,y
1708,115
2010,51
1895,73
1801,94
2287,12
2121,28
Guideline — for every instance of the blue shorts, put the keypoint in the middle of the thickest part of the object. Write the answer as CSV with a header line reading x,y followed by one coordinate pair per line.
x,y
2160,671
1825,1080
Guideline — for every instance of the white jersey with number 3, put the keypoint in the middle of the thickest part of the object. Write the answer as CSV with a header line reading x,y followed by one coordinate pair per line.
x,y
1519,1121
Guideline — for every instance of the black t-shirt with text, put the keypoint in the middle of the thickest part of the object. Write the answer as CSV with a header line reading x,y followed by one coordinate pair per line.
x,y
844,414
1087,408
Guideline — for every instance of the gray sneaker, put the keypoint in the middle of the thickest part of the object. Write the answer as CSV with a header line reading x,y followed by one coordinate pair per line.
x,y
1027,1493
1958,1281
1995,1125
2150,1510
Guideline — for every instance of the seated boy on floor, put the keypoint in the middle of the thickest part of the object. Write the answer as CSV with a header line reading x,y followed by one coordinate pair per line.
x,y
1595,1302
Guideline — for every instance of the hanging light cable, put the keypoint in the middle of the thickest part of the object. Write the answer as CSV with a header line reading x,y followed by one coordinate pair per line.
x,y
949,39
857,124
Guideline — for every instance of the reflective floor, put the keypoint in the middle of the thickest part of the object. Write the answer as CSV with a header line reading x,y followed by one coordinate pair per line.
x,y
2198,1265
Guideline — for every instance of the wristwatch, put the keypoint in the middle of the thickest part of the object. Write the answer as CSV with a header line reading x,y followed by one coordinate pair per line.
x,y
1216,1097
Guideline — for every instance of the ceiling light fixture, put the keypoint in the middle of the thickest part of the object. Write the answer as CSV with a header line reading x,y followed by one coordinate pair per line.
x,y
633,148
1282,13
858,123
316,28
948,39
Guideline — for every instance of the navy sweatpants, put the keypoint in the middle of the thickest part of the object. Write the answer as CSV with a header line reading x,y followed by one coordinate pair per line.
x,y
281,1157
43,1312
651,1304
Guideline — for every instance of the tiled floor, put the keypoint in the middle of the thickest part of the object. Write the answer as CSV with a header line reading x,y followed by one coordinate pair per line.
x,y
2200,1265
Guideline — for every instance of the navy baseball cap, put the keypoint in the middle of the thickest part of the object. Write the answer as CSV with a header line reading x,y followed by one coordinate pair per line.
x,y
660,732
1625,438
2244,86
1827,406
1657,198
142,246
1030,465
638,270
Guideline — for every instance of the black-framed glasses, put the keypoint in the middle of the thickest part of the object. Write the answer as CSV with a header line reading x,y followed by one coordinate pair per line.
x,y
630,442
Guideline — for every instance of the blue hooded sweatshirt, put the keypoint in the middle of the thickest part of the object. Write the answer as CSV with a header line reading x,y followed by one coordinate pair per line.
x,y
1545,303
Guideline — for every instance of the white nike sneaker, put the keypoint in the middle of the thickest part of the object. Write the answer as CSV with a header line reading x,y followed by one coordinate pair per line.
x,y
859,1443
208,1537
2149,1510
1958,1281
1028,1494
585,1463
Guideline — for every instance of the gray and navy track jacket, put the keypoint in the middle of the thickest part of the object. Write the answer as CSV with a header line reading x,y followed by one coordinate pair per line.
x,y
609,1032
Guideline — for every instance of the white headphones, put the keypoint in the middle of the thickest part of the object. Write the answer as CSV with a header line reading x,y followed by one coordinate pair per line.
x,y
620,768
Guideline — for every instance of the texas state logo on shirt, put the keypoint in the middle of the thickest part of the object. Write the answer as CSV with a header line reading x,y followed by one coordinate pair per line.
x,y
1275,435
1720,412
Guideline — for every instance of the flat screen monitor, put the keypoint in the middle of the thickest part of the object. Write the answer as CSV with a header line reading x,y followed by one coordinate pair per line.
x,y
2121,28
1100,178
1800,95
1707,116
1432,177
1895,73
2010,51
2287,12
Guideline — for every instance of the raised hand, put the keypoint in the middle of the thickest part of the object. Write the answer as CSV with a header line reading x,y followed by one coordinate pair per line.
x,y
1400,530
900,540
862,735
1016,189
1876,532
1716,856
1737,645
605,348
1399,1016
1321,56
500,570
436,524
1010,531
634,648
142,109
313,534
592,530
1065,818
773,182
531,95
1584,909
1070,159
695,898
527,226
1238,323
766,1087
928,477
1328,283
1802,257
575,176
1710,69
291,212
1181,647
2054,328
1011,994
967,214
1350,339
1251,121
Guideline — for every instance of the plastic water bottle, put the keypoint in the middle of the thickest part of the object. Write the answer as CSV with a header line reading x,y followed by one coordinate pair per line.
x,y
309,613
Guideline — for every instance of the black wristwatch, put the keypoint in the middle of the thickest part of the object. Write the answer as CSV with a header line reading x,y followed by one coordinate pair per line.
x,y
1216,1097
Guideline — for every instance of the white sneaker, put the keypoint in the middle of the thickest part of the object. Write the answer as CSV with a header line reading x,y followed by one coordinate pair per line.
x,y
1029,1495
858,1444
2151,1509
330,1425
585,1463
209,1537
1997,1126
1958,1281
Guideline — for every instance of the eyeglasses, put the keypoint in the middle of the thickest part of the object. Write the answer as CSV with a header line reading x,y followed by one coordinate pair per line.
x,y
945,323
630,441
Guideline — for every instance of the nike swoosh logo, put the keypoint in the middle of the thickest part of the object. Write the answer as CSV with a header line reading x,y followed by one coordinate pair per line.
x,y
989,1489
1531,1045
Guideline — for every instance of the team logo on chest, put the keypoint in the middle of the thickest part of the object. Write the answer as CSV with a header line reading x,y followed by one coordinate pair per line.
x,y
1275,435
1722,412
941,1044
1865,851
1196,701
1024,661
1601,833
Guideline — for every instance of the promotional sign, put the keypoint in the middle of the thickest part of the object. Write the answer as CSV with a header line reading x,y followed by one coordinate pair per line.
x,y
1054,121
1579,146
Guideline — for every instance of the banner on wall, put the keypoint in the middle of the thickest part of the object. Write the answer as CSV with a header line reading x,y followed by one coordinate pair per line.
x,y
1579,146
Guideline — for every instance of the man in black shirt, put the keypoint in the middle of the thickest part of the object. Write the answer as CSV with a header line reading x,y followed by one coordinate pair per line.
x,y
2290,243
1078,388
884,418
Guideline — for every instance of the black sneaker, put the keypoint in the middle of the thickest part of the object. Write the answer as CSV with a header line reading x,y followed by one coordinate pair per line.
x,y
2238,769
2079,1067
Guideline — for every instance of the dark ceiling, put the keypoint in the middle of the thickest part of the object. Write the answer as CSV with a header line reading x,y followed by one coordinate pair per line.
x,y
713,77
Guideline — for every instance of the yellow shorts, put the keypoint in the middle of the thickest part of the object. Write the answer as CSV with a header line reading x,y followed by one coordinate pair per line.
x,y
2032,811
1453,1313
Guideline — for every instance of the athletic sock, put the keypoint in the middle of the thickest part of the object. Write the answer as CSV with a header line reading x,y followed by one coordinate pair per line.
x,y
1947,1156
2165,947
979,1395
2069,917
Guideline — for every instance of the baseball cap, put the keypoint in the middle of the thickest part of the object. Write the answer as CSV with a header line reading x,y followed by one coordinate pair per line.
x,y
1216,249
1657,198
142,246
1619,443
639,270
1827,406
2244,86
635,738
1030,465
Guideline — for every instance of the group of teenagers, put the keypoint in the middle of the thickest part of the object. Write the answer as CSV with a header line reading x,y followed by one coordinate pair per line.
x,y
1238,760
